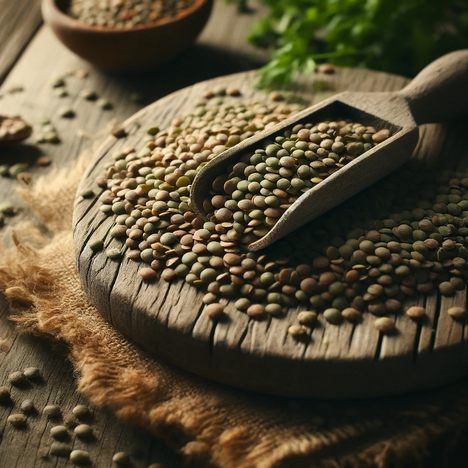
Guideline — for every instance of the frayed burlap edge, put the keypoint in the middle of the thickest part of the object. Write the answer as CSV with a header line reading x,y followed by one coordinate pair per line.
x,y
194,416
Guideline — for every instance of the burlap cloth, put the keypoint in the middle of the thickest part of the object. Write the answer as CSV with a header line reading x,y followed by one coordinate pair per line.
x,y
210,424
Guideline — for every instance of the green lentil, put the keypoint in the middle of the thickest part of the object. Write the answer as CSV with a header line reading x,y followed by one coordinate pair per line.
x,y
96,245
17,379
457,313
52,411
83,431
27,406
333,316
17,420
59,432
80,457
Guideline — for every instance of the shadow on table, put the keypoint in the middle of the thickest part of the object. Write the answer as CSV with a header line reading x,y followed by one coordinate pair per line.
x,y
198,63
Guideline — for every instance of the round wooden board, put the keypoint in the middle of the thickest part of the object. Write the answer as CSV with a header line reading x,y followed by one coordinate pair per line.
x,y
337,361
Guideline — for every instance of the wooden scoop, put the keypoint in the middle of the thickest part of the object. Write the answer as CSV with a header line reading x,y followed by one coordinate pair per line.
x,y
13,130
437,94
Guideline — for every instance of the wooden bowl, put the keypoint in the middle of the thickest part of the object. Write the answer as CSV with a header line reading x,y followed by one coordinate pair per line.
x,y
139,48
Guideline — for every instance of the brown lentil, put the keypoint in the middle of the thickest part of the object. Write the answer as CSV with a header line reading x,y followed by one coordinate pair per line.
x,y
384,324
457,312
214,311
416,312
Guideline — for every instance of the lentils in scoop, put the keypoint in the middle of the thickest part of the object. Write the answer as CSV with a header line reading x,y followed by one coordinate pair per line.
x,y
125,14
256,191
405,237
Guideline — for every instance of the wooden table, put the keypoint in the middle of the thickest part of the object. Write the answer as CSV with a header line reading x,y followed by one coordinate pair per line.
x,y
31,58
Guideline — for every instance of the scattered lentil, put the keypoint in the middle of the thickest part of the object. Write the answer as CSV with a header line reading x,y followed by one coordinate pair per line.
x,y
7,209
384,324
17,169
121,458
5,396
59,432
307,318
214,311
17,379
32,373
17,420
52,411
297,331
84,431
104,104
96,245
80,457
416,312
14,129
66,112
457,312
27,406
44,161
81,412
47,134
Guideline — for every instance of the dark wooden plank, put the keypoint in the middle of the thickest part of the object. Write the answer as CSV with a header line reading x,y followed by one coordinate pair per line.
x,y
19,21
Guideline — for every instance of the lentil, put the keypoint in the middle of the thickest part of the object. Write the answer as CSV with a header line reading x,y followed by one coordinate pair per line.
x,y
457,312
80,457
17,420
121,458
214,311
297,331
83,431
59,432
384,324
81,412
27,406
4,395
366,256
32,373
12,129
416,312
60,449
52,411
17,379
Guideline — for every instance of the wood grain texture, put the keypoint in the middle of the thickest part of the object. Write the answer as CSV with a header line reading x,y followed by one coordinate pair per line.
x,y
167,319
222,49
19,21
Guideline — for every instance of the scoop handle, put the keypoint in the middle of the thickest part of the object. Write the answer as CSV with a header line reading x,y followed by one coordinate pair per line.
x,y
440,91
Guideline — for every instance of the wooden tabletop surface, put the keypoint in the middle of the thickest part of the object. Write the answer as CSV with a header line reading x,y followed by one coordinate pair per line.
x,y
30,59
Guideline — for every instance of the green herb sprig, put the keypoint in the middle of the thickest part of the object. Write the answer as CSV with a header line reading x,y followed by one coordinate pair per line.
x,y
397,36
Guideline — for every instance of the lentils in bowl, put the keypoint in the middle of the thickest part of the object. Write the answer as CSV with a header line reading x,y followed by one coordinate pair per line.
x,y
125,14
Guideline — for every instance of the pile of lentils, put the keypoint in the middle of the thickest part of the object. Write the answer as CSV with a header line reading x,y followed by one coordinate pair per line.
x,y
125,14
408,236
257,190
